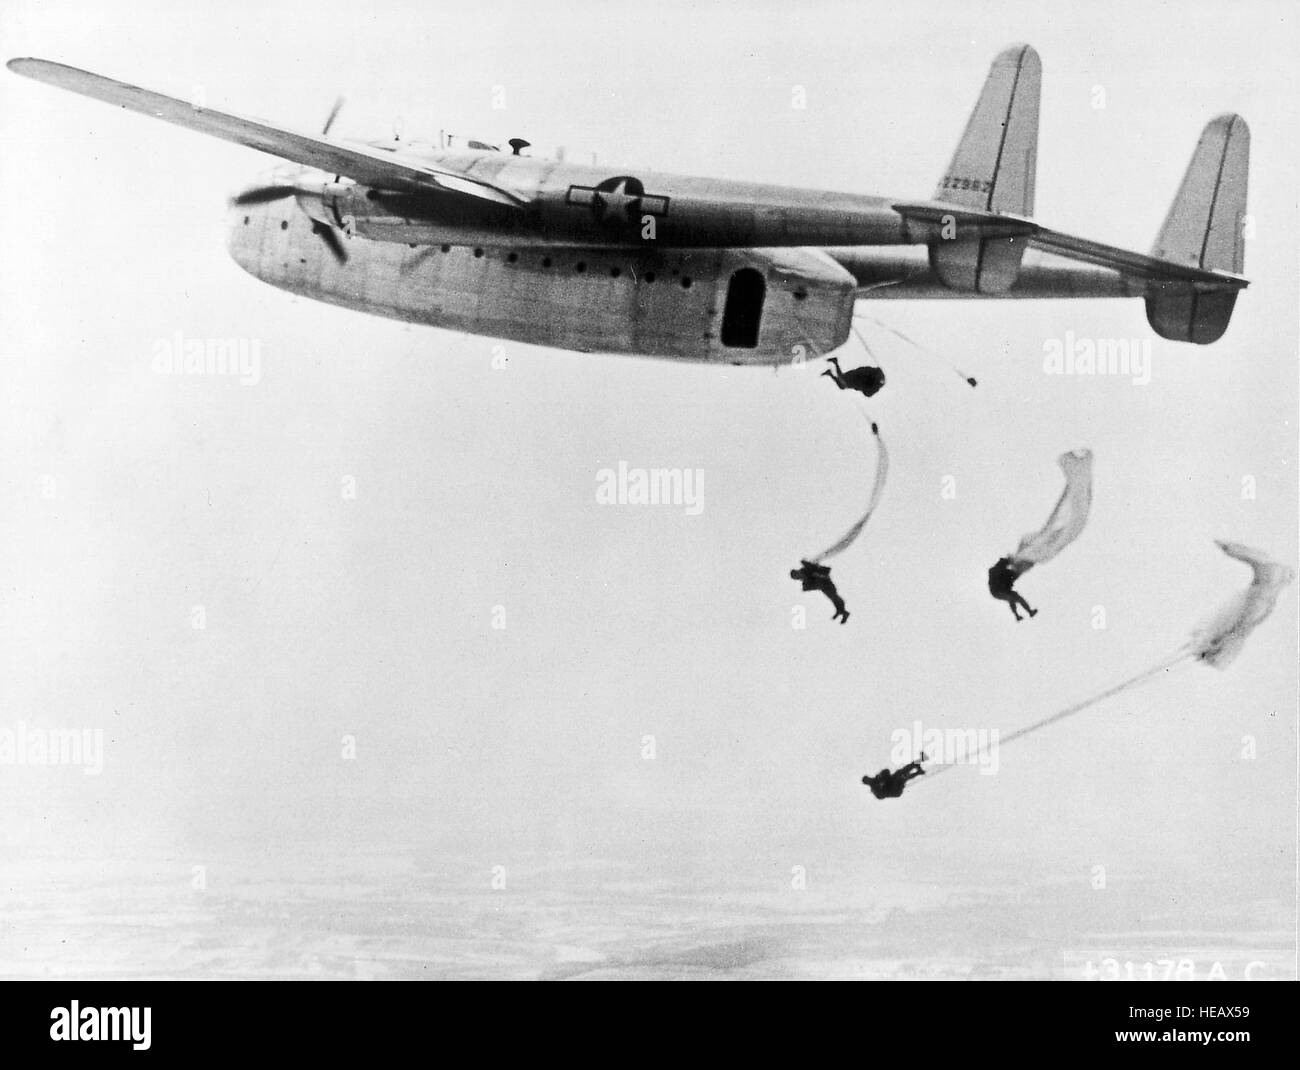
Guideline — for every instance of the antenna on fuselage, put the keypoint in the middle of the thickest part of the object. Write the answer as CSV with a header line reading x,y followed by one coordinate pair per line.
x,y
334,114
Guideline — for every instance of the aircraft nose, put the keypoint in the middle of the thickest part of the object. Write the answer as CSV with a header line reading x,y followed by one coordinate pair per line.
x,y
241,235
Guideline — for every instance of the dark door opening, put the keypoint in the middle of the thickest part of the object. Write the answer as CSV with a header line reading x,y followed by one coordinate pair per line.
x,y
743,313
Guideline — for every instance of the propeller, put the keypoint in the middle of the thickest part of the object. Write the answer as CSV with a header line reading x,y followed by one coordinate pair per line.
x,y
331,238
334,114
263,195
270,194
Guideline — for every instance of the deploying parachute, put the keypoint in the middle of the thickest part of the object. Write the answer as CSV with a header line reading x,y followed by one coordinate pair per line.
x,y
1062,528
1067,519
1216,642
1220,639
877,490
811,573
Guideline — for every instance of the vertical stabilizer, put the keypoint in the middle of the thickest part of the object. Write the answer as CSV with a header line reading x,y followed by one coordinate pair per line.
x,y
1205,229
993,171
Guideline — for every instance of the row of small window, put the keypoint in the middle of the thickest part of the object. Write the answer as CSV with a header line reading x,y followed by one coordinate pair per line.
x,y
580,267
513,258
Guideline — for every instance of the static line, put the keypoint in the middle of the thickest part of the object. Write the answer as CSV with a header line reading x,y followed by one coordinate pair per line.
x,y
877,489
863,343
970,380
1078,707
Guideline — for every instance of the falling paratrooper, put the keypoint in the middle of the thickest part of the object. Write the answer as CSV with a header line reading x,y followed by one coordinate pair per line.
x,y
1063,526
815,576
1216,641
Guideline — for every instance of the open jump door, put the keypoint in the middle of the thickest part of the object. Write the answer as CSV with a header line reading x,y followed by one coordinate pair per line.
x,y
742,316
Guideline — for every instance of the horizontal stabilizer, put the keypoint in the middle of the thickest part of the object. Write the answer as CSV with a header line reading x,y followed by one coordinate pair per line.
x,y
962,221
970,225
1135,265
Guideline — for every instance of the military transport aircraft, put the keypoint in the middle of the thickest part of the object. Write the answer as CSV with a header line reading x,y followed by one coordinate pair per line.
x,y
599,259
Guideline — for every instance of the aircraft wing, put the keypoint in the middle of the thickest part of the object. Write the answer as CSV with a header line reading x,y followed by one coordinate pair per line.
x,y
369,167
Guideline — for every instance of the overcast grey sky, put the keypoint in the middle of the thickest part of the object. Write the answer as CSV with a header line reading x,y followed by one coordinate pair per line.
x,y
372,617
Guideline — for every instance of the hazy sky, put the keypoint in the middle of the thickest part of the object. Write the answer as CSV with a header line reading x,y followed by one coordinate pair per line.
x,y
475,487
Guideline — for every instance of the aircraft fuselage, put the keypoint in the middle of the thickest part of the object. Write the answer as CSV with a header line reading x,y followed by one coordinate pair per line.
x,y
603,261
738,306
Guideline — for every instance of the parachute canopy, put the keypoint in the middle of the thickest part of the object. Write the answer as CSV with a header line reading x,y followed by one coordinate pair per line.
x,y
1220,639
1216,642
1067,519
877,489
